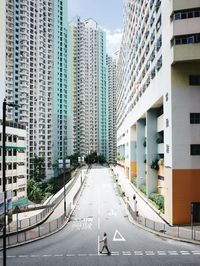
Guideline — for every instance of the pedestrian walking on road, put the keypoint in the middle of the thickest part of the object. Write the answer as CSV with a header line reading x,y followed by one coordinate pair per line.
x,y
105,244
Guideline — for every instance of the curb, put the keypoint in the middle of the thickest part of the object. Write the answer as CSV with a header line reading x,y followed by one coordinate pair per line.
x,y
155,232
56,231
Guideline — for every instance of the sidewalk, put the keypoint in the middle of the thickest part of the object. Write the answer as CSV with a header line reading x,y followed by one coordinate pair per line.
x,y
143,208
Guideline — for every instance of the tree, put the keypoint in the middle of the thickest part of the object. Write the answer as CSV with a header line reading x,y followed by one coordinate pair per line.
x,y
38,172
34,191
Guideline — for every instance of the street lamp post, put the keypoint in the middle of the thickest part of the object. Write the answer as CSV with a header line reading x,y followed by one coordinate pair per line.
x,y
4,173
64,172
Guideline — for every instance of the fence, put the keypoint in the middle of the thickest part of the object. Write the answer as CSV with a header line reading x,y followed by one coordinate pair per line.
x,y
46,227
187,233
53,201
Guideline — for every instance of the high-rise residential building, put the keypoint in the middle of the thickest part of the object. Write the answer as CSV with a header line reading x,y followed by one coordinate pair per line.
x,y
158,111
34,74
88,76
111,63
61,90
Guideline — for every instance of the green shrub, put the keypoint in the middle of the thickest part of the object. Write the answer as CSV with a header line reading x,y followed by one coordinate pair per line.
x,y
154,165
134,181
142,188
158,199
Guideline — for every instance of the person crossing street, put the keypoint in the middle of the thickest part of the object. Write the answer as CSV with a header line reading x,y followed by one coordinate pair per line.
x,y
105,244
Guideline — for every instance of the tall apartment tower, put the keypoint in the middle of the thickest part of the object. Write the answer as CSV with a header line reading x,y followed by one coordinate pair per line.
x,y
88,75
34,64
61,89
111,63
158,95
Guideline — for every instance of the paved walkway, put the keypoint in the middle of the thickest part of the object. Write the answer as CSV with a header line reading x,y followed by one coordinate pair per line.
x,y
142,206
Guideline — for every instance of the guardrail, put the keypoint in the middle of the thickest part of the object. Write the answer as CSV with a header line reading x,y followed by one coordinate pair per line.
x,y
47,228
187,233
53,201
182,232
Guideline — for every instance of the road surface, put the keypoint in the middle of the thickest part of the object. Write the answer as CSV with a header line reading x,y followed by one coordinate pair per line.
x,y
100,210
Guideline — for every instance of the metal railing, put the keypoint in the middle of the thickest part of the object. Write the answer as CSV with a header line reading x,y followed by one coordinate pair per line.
x,y
183,232
53,201
46,228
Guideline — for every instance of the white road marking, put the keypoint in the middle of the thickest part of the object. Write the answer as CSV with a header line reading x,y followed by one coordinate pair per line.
x,y
149,253
138,253
118,236
114,253
161,252
173,252
98,223
126,253
112,213
185,252
98,239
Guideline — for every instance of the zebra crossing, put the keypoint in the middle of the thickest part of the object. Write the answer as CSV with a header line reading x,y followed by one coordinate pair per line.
x,y
115,253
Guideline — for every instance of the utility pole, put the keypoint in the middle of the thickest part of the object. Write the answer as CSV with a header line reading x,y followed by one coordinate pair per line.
x,y
64,172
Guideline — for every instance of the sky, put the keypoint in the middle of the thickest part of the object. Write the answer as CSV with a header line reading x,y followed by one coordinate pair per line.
x,y
107,13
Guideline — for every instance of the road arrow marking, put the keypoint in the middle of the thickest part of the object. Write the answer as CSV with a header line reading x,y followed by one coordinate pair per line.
x,y
118,236
112,212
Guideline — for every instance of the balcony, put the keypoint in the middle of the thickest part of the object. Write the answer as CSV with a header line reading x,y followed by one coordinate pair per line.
x,y
184,4
185,26
185,53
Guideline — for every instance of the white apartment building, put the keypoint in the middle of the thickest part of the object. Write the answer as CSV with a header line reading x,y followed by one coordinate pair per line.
x,y
16,172
111,63
88,77
158,96
27,72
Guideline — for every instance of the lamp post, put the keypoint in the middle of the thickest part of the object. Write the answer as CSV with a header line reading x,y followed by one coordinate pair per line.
x,y
64,172
4,174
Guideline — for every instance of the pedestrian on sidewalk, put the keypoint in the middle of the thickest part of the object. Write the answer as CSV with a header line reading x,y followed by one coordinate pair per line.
x,y
105,244
135,204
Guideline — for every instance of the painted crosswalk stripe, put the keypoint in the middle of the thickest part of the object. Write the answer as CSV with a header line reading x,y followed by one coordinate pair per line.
x,y
23,256
70,255
10,256
34,256
138,253
82,255
196,252
184,252
149,253
126,253
47,255
161,253
173,253
58,255
115,253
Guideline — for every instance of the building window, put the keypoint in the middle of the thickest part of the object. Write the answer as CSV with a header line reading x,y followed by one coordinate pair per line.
x,y
191,13
186,39
167,122
195,149
194,80
194,118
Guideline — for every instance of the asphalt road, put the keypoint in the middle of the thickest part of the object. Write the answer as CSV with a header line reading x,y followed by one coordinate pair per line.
x,y
100,210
